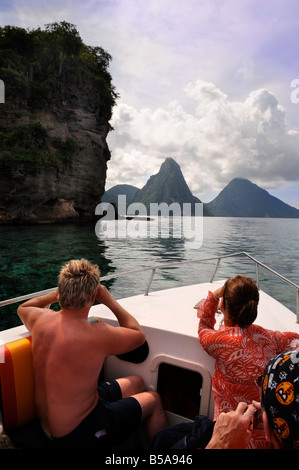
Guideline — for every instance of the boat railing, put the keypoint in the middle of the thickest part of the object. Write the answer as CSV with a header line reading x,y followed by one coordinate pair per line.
x,y
153,270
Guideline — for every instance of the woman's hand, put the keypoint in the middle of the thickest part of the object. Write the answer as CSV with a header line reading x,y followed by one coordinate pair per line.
x,y
219,292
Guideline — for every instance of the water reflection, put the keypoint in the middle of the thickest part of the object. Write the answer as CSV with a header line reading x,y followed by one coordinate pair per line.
x,y
146,246
31,256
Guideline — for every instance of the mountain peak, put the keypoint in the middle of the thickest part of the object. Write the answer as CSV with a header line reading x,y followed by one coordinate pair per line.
x,y
170,163
167,186
242,198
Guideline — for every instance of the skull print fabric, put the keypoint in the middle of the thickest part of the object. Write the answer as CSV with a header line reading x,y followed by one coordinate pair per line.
x,y
280,397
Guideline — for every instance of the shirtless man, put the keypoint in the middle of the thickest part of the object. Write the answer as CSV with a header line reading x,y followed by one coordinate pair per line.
x,y
68,354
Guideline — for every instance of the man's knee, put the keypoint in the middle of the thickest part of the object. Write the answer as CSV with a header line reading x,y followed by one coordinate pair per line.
x,y
131,385
137,383
156,397
150,402
158,401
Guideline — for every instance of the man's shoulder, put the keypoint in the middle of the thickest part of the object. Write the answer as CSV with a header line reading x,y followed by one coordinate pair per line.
x,y
92,320
99,327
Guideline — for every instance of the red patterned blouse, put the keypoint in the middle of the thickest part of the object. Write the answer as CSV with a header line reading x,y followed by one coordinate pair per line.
x,y
241,356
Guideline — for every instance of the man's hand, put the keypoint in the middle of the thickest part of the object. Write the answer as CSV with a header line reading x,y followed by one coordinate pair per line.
x,y
103,295
233,429
125,319
130,334
29,311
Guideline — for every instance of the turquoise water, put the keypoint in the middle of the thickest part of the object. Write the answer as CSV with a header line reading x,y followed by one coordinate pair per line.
x,y
31,256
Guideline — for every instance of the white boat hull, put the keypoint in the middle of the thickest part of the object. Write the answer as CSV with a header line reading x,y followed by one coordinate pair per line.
x,y
170,323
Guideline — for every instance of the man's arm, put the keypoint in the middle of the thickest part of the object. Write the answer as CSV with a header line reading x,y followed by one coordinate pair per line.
x,y
31,309
125,319
233,430
129,335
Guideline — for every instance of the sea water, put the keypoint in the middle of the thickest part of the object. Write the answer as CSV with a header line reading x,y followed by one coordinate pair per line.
x,y
31,256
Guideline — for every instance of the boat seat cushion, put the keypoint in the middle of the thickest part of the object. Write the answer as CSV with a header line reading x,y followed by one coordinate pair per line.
x,y
17,390
17,384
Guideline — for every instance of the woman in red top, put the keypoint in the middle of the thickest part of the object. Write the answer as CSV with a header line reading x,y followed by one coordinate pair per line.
x,y
241,349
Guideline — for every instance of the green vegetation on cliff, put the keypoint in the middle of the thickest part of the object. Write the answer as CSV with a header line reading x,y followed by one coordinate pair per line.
x,y
33,61
32,144
41,68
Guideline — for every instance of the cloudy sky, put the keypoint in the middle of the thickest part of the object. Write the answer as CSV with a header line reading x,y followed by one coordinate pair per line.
x,y
212,83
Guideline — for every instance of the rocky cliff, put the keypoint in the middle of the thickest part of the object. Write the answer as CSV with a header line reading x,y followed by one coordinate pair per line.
x,y
53,155
47,192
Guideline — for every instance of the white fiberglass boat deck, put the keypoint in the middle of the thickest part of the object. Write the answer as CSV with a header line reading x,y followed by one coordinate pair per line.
x,y
176,365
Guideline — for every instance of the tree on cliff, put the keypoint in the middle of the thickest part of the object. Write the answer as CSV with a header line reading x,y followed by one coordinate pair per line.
x,y
40,69
32,61
64,41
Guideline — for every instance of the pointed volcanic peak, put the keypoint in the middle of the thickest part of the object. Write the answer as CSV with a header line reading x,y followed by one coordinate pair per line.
x,y
241,198
167,186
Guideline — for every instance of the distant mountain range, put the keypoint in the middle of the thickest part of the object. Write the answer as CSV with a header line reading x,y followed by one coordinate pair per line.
x,y
240,198
167,186
111,195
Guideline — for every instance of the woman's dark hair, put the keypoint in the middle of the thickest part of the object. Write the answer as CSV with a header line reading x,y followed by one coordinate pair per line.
x,y
241,297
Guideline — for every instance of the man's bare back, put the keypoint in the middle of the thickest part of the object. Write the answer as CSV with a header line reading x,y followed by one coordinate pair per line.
x,y
68,354
67,363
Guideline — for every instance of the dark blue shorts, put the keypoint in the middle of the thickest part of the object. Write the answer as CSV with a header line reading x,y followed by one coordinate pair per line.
x,y
112,420
122,415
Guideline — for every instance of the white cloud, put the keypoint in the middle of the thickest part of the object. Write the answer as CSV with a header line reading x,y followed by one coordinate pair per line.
x,y
214,132
214,140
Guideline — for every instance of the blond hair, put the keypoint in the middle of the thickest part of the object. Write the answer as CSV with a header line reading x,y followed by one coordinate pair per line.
x,y
77,283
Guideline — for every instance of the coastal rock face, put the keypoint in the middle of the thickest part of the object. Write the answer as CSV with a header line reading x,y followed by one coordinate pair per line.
x,y
40,193
53,125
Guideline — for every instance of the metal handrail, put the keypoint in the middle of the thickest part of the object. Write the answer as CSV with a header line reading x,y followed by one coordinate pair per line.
x,y
172,265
